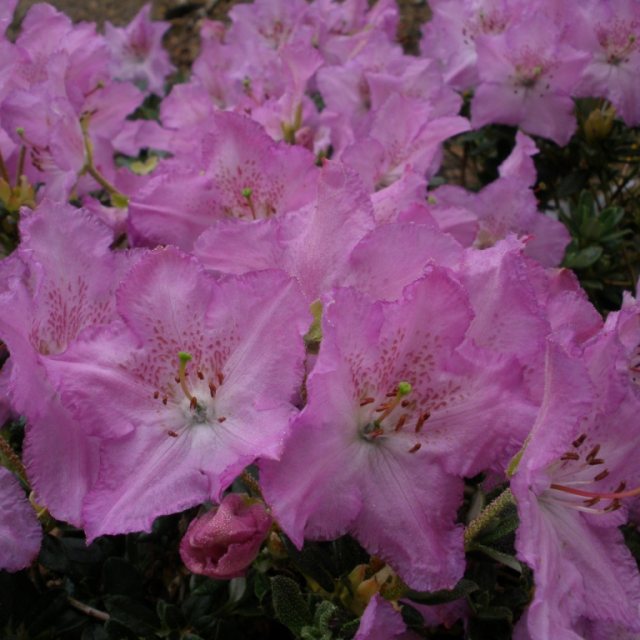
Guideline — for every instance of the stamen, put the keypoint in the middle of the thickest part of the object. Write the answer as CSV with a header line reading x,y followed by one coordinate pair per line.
x,y
579,440
193,404
366,401
615,495
415,447
221,419
595,461
593,453
421,420
220,377
156,395
401,421
570,455
165,400
173,434
212,389
200,375
602,475
591,502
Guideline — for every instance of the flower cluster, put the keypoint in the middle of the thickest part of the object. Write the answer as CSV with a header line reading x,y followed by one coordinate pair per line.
x,y
277,289
526,61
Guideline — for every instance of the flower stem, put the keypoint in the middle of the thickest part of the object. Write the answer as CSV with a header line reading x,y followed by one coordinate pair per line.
x,y
492,510
86,609
118,199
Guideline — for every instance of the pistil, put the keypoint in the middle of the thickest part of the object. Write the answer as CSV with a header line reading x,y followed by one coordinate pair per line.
x,y
184,358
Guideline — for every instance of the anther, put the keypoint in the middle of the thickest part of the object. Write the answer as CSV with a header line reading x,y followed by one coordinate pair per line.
x,y
165,400
570,455
173,434
595,461
415,447
220,377
156,395
621,487
366,401
591,502
200,375
401,421
421,420
614,506
593,453
221,419
212,389
193,403
602,475
579,440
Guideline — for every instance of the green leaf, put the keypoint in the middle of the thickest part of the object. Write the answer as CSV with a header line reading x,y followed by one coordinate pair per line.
x,y
496,613
170,615
462,589
504,558
119,577
133,615
289,605
261,586
584,258
314,561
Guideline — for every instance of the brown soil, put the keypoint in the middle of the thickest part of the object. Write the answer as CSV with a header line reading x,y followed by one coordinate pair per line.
x,y
184,15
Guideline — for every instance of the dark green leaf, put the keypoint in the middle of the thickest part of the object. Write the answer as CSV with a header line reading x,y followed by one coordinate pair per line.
x,y
584,258
119,577
289,605
462,589
132,614
504,558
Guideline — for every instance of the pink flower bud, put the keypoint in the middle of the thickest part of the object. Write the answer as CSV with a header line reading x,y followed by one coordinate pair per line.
x,y
223,542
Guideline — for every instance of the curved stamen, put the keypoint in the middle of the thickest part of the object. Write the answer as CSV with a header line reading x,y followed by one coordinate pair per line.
x,y
595,494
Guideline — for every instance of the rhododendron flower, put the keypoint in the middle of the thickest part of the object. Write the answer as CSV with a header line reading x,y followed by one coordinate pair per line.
x,y
137,52
404,133
312,244
20,533
59,283
504,206
450,35
527,76
223,542
194,382
577,467
610,31
241,174
394,414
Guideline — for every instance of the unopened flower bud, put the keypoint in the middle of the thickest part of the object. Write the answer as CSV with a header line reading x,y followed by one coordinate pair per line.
x,y
223,542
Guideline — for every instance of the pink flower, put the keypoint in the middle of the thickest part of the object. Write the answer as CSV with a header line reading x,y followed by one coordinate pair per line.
x,y
138,55
610,31
19,529
203,373
223,542
394,415
577,470
527,76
